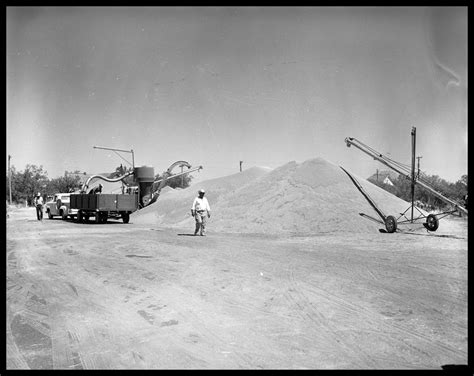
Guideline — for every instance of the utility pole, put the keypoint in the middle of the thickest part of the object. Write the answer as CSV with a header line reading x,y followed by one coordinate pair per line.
x,y
413,147
10,178
419,157
241,165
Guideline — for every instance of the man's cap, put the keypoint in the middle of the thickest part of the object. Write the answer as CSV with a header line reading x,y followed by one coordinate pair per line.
x,y
39,194
202,191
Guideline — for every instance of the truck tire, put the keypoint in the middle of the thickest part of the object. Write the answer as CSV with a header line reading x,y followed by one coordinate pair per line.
x,y
63,214
125,217
98,217
104,217
79,216
50,216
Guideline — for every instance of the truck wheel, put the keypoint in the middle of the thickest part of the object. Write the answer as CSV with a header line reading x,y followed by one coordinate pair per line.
x,y
432,222
50,216
391,224
125,217
104,217
79,216
63,215
99,217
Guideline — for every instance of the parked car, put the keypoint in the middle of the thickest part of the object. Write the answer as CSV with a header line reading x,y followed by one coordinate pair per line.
x,y
59,205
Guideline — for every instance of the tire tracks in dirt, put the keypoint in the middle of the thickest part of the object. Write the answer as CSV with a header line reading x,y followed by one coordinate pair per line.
x,y
307,310
131,301
41,312
28,325
206,333
396,298
435,346
382,324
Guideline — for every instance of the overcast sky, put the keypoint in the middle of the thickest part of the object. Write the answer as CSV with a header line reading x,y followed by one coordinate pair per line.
x,y
214,86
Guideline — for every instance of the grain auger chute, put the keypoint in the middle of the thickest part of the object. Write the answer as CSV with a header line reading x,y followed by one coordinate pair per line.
x,y
391,223
151,189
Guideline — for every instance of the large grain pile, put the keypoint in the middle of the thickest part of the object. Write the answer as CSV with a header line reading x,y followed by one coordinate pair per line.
x,y
312,197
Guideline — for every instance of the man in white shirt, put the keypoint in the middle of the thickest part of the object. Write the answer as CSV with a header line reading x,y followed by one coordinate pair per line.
x,y
39,206
199,211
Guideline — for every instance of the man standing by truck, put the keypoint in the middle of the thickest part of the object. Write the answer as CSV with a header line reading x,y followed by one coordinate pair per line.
x,y
38,201
199,211
96,190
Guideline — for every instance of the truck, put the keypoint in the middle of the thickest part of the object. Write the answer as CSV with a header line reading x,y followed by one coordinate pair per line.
x,y
59,205
104,206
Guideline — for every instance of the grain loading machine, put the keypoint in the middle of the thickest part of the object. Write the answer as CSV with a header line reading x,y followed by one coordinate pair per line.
x,y
146,191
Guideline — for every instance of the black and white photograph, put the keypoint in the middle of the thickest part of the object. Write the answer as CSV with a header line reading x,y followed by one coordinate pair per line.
x,y
236,188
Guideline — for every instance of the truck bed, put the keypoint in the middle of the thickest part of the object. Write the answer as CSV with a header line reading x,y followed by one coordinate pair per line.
x,y
105,202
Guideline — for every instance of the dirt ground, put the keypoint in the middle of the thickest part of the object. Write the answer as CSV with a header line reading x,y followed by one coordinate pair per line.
x,y
132,296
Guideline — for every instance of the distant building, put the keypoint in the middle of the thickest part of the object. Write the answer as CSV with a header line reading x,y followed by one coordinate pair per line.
x,y
387,181
385,177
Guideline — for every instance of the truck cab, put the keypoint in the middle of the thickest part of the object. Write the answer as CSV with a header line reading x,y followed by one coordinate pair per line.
x,y
59,205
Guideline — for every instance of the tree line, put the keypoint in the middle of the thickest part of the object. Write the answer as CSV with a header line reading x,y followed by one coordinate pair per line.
x,y
26,184
402,188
